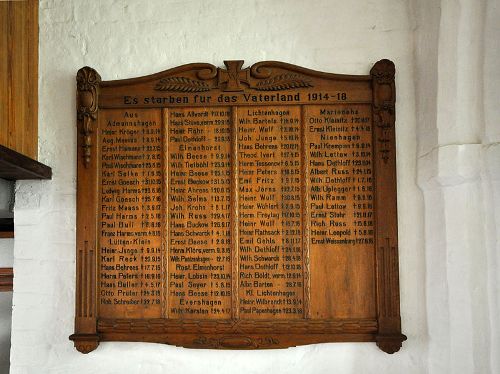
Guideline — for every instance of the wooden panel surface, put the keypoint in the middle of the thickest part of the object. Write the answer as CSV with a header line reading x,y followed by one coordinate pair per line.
x,y
338,150
6,279
237,208
19,76
16,166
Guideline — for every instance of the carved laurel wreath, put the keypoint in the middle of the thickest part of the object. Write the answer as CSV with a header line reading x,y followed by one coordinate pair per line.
x,y
283,82
181,84
279,82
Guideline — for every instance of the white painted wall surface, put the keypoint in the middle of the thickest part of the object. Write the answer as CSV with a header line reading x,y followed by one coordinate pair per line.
x,y
123,39
457,51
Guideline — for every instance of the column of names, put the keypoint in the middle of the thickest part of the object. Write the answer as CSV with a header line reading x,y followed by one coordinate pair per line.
x,y
199,213
129,261
340,197
270,219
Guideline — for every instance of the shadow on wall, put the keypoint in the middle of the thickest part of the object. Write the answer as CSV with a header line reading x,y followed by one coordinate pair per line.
x,y
5,327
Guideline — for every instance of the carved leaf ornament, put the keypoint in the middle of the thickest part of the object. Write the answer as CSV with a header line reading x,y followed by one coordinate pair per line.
x,y
181,84
283,82
277,83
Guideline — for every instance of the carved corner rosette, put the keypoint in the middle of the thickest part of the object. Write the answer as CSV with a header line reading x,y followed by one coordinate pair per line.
x,y
384,100
234,79
87,83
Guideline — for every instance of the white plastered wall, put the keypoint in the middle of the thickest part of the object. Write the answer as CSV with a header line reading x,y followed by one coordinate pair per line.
x,y
458,89
122,39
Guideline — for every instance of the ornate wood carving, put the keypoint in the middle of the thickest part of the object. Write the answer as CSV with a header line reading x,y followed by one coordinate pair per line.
x,y
348,326
87,98
283,82
235,342
384,100
85,337
181,84
233,79
237,208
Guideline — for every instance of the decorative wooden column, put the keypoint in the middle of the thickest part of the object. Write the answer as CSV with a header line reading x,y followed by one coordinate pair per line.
x,y
389,337
85,337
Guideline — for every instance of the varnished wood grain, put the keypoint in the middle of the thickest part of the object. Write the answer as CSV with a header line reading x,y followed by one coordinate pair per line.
x,y
85,337
237,208
6,279
19,76
16,166
340,174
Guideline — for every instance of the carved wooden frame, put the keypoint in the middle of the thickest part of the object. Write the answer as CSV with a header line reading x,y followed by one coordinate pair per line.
x,y
385,330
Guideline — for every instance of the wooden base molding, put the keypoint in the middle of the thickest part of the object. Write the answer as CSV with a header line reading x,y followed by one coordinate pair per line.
x,y
85,343
390,343
237,340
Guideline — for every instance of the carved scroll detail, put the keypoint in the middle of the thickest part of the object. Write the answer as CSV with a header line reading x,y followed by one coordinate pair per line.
x,y
87,83
233,79
235,342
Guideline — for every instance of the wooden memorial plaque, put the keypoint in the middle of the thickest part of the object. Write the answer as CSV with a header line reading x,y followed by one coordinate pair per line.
x,y
237,208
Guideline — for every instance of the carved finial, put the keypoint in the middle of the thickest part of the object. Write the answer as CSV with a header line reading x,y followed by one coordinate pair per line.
x,y
231,79
384,71
87,86
384,99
